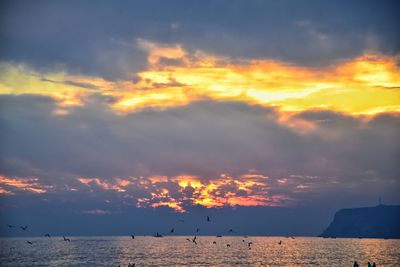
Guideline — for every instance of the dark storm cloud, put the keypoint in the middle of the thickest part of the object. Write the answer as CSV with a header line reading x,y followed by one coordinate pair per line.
x,y
99,38
342,154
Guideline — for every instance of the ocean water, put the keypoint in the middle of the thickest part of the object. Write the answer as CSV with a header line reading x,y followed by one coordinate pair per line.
x,y
177,251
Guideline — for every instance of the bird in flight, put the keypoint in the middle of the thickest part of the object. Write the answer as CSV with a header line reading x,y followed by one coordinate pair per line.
x,y
66,239
133,237
228,245
47,235
197,230
172,230
23,227
29,242
215,242
194,240
208,218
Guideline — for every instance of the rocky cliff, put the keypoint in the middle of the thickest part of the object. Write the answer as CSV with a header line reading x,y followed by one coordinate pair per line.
x,y
372,222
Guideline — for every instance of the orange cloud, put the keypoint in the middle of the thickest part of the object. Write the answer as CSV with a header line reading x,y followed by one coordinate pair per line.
x,y
368,84
250,189
247,190
118,185
25,184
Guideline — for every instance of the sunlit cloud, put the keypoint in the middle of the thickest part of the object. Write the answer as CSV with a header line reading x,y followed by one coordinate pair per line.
x,y
117,185
24,184
176,77
181,191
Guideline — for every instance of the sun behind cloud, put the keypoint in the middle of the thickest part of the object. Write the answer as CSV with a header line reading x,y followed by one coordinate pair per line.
x,y
368,84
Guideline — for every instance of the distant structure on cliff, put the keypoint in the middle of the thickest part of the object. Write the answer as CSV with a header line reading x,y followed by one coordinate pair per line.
x,y
382,221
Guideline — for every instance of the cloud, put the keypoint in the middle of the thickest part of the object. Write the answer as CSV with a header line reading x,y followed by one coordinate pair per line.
x,y
77,37
138,158
200,76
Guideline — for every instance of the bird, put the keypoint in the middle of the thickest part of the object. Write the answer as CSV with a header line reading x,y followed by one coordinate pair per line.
x,y
194,240
133,237
197,230
280,242
231,231
228,245
188,239
208,219
47,235
29,242
23,227
66,239
215,242
10,226
172,230
243,240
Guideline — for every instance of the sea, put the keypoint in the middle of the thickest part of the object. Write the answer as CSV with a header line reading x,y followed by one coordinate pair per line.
x,y
209,251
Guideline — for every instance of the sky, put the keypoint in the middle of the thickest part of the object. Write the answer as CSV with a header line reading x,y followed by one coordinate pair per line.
x,y
120,117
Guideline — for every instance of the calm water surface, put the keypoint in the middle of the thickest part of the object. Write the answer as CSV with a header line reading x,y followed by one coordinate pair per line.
x,y
177,251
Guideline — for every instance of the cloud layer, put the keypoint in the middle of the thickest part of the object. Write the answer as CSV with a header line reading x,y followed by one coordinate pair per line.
x,y
228,153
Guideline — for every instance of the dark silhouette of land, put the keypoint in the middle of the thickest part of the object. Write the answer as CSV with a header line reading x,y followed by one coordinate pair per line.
x,y
382,221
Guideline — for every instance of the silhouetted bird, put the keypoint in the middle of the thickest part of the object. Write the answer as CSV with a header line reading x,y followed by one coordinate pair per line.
x,y
66,239
243,240
172,230
133,237
29,242
280,242
228,245
194,240
197,230
24,228
214,242
47,235
10,226
208,218
188,239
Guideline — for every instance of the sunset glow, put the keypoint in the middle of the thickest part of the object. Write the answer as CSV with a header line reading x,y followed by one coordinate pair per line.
x,y
250,189
373,79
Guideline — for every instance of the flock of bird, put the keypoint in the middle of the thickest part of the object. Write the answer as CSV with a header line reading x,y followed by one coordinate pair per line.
x,y
24,228
192,240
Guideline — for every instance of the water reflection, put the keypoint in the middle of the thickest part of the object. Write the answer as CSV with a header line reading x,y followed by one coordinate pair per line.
x,y
177,251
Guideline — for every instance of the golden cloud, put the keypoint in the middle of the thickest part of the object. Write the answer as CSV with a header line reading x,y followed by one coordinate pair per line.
x,y
368,84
